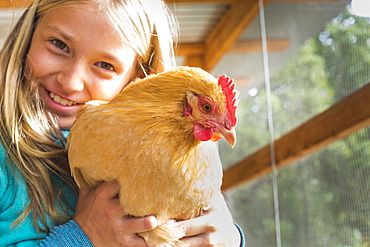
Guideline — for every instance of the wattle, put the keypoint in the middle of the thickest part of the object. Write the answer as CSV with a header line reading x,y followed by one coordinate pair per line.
x,y
202,133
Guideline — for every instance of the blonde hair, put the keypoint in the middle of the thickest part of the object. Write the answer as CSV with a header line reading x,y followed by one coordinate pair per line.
x,y
29,133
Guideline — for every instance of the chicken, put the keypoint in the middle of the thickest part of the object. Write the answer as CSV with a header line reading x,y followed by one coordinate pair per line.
x,y
155,139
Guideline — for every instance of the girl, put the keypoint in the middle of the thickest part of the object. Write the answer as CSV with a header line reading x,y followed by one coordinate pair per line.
x,y
61,54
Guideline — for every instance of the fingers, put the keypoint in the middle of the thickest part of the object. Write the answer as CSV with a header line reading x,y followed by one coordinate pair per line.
x,y
217,215
201,240
206,231
142,224
197,226
213,228
103,219
108,190
197,232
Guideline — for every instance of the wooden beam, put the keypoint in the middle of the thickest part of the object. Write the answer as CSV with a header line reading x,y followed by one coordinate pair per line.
x,y
299,1
252,46
15,3
342,119
195,60
228,30
190,49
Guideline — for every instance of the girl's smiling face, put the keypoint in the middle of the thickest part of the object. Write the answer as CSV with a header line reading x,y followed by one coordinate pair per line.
x,y
76,56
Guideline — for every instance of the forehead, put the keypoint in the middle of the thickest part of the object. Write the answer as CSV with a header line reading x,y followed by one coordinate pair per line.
x,y
79,19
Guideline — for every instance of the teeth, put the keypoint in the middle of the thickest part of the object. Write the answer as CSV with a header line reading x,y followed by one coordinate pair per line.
x,y
61,101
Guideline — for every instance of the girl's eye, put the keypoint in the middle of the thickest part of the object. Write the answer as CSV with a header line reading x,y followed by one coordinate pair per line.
x,y
59,44
106,66
207,107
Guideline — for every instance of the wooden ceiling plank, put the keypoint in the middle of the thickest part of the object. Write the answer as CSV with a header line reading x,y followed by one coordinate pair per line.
x,y
228,30
342,119
242,47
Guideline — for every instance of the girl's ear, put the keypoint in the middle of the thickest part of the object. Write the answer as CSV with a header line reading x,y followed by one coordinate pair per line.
x,y
142,71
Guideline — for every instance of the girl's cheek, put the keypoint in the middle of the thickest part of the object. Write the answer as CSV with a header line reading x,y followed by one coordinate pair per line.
x,y
40,63
33,63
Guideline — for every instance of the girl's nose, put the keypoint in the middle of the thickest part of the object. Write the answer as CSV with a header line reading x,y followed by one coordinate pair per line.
x,y
72,76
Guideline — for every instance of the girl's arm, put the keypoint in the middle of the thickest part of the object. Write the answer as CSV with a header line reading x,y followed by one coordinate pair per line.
x,y
69,234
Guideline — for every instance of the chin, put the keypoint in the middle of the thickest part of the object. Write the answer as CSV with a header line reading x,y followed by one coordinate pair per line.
x,y
65,124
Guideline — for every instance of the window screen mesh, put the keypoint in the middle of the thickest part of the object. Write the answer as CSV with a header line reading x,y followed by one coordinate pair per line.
x,y
323,198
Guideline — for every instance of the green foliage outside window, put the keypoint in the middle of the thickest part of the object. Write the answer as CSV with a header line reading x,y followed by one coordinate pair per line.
x,y
324,198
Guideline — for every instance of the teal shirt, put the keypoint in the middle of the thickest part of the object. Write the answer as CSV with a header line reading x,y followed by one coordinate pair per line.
x,y
13,201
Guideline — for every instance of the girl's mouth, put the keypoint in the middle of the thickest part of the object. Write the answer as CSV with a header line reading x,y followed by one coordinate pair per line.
x,y
61,101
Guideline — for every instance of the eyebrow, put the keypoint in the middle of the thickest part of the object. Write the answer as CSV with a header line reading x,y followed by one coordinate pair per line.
x,y
115,60
61,32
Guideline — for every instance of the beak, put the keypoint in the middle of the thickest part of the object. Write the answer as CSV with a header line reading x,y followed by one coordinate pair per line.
x,y
228,134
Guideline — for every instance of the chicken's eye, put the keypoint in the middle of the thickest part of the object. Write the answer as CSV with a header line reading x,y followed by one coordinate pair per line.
x,y
207,107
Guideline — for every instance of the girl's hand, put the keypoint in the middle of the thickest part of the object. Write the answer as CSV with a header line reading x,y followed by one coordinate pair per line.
x,y
214,228
102,219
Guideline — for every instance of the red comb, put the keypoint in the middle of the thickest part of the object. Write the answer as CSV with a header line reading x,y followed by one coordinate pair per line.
x,y
228,87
